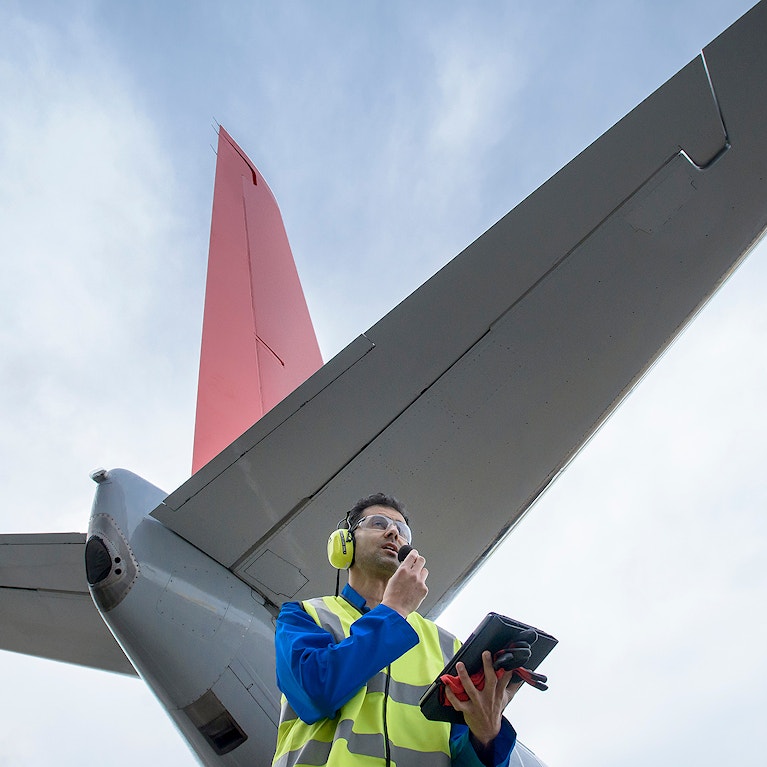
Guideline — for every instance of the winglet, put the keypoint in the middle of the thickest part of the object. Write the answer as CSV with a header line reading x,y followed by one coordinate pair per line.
x,y
258,342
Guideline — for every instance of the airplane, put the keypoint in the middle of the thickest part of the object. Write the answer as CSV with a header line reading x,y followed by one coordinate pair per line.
x,y
642,207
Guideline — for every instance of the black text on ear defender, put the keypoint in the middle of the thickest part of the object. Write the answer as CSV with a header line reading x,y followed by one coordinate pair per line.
x,y
341,548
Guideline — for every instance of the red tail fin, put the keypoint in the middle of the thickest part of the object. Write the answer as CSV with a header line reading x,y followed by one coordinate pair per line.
x,y
258,343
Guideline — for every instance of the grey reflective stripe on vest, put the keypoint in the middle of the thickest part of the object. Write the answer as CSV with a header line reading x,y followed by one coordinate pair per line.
x,y
363,743
328,619
377,683
446,644
317,752
406,757
287,714
314,752
372,744
402,692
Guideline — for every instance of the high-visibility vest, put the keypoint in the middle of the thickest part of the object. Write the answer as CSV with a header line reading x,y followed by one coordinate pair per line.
x,y
382,724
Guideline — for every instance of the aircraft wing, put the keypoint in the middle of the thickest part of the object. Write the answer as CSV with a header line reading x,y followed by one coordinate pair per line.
x,y
43,586
470,396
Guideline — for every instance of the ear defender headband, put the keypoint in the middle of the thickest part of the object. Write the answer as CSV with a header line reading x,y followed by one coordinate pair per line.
x,y
341,548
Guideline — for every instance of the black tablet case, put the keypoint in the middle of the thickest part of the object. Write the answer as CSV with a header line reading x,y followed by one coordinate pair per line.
x,y
494,633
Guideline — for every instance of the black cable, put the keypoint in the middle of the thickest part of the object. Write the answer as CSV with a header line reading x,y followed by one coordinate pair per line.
x,y
387,746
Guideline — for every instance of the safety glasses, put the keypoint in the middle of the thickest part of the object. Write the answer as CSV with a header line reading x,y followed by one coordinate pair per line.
x,y
382,523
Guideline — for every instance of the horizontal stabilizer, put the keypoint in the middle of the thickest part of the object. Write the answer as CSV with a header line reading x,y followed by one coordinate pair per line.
x,y
46,606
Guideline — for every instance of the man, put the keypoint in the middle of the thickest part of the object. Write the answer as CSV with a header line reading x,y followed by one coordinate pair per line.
x,y
352,668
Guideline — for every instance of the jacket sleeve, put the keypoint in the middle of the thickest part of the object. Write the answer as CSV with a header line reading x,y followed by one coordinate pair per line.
x,y
318,676
463,754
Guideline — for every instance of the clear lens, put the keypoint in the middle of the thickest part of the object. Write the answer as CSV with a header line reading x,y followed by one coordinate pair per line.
x,y
380,522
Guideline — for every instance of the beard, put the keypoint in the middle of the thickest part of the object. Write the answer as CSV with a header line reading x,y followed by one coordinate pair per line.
x,y
377,561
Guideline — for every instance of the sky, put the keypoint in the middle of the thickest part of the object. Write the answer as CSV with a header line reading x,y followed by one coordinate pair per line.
x,y
392,134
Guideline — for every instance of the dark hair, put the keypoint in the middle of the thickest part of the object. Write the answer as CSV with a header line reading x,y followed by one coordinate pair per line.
x,y
377,499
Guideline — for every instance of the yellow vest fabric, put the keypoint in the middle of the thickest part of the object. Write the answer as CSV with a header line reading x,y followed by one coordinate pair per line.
x,y
386,706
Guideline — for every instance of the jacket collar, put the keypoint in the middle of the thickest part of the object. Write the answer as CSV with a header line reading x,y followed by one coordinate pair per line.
x,y
354,599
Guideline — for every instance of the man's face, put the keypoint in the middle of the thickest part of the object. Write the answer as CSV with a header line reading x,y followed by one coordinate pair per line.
x,y
375,549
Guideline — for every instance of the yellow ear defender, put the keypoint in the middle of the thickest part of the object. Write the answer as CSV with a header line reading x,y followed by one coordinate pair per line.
x,y
341,548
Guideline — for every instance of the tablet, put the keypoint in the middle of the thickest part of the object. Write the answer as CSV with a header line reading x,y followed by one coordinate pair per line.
x,y
494,633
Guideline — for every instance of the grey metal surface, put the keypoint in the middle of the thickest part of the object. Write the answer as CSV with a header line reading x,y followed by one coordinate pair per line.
x,y
43,586
470,396
194,631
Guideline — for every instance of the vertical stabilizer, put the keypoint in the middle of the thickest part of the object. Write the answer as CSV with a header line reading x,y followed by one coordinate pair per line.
x,y
258,342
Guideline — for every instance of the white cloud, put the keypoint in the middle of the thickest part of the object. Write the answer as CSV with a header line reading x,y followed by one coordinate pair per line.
x,y
91,243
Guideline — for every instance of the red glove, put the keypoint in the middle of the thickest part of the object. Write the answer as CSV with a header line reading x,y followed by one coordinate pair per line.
x,y
456,685
504,660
